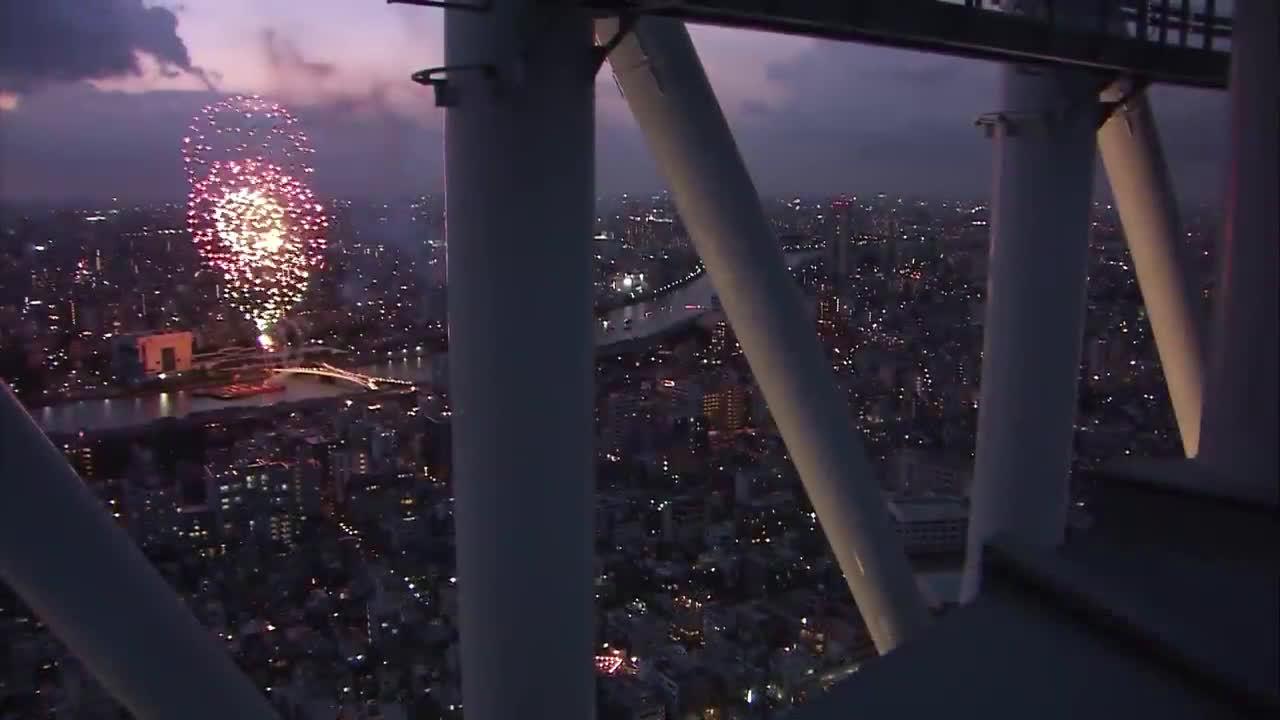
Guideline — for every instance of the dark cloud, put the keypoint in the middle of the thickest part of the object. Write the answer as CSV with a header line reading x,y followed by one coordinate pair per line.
x,y
360,121
44,42
284,59
74,142
834,118
300,80
859,118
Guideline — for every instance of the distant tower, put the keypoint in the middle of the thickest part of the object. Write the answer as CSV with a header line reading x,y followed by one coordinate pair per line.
x,y
838,242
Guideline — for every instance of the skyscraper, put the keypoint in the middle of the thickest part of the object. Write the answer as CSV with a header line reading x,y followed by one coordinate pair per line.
x,y
838,241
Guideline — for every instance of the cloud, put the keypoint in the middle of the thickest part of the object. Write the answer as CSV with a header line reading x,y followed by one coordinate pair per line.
x,y
377,125
47,42
286,61
92,139
301,81
74,142
809,116
858,118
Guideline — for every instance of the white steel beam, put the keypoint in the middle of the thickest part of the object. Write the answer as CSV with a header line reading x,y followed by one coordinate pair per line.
x,y
84,577
519,171
1135,167
665,86
1035,305
1239,430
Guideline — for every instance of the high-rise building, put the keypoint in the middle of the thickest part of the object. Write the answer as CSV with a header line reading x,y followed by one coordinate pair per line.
x,y
930,525
384,447
723,341
682,398
136,355
912,472
153,512
725,407
81,452
690,435
260,503
831,313
743,482
650,233
196,526
686,620
627,421
838,238
317,472
111,491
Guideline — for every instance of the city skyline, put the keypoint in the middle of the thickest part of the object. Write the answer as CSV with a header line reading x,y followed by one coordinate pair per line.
x,y
311,525
810,116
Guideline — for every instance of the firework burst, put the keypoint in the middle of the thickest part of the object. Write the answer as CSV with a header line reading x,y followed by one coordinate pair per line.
x,y
250,213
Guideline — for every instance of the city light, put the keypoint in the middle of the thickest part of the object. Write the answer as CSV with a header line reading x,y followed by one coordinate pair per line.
x,y
608,664
904,336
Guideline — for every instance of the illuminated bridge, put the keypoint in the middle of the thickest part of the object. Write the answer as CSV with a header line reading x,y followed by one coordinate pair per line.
x,y
370,382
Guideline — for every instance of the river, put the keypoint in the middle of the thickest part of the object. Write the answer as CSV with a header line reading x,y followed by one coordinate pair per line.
x,y
678,307
107,413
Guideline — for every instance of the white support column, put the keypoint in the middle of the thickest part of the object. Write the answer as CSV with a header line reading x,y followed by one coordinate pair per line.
x,y
519,171
1238,435
1135,167
83,576
664,83
1035,302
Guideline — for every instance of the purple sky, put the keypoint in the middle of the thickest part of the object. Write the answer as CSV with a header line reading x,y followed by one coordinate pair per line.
x,y
95,96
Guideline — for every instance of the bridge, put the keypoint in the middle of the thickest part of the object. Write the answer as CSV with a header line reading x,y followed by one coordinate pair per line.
x,y
369,382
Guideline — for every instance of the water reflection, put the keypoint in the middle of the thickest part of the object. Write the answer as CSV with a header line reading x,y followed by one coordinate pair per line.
x,y
629,323
107,413
677,307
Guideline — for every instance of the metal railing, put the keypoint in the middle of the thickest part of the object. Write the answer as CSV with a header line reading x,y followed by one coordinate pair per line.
x,y
1183,42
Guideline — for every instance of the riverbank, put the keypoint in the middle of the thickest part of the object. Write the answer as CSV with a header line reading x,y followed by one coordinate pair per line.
x,y
139,410
632,326
189,382
231,412
604,309
235,391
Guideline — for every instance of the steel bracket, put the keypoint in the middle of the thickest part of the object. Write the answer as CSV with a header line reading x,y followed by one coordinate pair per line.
x,y
626,21
481,6
437,78
1107,108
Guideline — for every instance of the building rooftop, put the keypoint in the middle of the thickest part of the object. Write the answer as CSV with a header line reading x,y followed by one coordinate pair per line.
x,y
927,509
1146,615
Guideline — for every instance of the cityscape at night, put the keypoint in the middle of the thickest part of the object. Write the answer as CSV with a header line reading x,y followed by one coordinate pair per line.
x,y
275,376
324,509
